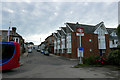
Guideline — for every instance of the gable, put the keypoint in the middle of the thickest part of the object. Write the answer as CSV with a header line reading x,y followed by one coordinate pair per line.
x,y
113,33
101,27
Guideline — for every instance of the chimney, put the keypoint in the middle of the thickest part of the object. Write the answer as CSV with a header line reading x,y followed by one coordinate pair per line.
x,y
14,30
77,23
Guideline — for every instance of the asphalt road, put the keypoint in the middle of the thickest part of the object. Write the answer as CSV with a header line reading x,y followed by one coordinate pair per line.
x,y
37,65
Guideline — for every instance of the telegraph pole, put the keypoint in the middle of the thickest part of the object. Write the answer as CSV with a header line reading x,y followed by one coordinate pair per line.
x,y
9,31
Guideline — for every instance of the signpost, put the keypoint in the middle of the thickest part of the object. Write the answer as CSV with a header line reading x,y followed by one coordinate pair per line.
x,y
80,32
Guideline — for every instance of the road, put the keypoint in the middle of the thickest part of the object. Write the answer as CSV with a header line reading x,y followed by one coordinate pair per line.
x,y
37,65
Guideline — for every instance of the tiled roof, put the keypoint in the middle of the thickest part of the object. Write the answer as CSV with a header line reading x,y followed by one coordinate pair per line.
x,y
110,30
87,28
64,28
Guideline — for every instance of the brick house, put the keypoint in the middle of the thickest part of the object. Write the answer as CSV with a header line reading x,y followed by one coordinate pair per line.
x,y
94,42
49,43
57,41
13,37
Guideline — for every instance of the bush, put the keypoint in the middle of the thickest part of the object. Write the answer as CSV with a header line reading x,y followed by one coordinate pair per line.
x,y
118,46
95,60
89,60
114,57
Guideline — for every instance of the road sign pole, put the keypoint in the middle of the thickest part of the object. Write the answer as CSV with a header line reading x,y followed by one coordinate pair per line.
x,y
80,33
80,40
80,51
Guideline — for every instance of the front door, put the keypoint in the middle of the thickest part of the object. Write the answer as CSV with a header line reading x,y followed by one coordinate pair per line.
x,y
101,52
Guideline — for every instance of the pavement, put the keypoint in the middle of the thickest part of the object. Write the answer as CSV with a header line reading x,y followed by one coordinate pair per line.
x,y
22,58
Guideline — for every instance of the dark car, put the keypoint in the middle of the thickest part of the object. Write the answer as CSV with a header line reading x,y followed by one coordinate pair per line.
x,y
42,51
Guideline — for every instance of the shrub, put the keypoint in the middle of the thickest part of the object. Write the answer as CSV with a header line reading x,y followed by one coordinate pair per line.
x,y
95,60
118,46
114,57
89,60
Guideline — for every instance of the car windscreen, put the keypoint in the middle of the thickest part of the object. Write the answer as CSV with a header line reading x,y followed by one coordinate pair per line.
x,y
7,52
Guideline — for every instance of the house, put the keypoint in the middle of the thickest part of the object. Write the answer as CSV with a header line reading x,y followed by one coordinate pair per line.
x,y
42,46
49,44
113,38
30,44
95,40
13,37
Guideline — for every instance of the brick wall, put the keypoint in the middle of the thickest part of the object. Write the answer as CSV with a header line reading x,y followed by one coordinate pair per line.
x,y
87,45
107,45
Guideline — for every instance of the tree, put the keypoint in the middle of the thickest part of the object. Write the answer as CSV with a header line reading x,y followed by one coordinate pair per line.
x,y
31,43
118,33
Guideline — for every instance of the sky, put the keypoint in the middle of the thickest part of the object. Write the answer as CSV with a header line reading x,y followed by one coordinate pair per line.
x,y
35,20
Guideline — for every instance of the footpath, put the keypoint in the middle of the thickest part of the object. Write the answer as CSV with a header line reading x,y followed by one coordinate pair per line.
x,y
22,58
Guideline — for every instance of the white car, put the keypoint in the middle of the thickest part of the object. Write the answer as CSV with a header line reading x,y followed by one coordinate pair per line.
x,y
38,50
29,50
46,53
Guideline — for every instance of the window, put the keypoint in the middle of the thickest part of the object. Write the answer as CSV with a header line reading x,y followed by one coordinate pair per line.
x,y
112,41
7,49
16,40
69,50
90,50
90,40
63,37
101,32
68,42
116,42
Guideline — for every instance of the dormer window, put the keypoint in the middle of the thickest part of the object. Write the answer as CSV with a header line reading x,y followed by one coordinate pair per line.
x,y
113,34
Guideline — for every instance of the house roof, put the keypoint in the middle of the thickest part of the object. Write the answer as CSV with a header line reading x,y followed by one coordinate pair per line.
x,y
110,30
5,34
63,30
87,28
58,33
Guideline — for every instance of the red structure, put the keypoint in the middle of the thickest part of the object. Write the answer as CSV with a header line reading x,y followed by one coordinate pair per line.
x,y
10,55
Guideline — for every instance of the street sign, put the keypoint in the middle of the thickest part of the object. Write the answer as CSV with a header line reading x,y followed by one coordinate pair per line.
x,y
80,48
80,34
80,52
79,30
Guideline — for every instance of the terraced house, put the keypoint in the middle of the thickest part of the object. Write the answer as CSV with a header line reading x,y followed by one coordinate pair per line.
x,y
96,40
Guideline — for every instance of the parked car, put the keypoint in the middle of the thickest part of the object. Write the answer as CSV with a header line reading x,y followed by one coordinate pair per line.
x,y
46,53
38,50
29,50
42,51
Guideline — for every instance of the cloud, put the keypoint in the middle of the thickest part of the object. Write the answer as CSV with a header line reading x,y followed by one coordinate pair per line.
x,y
8,10
40,19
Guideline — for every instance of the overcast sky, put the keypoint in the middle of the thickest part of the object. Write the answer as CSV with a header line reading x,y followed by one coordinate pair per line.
x,y
35,20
